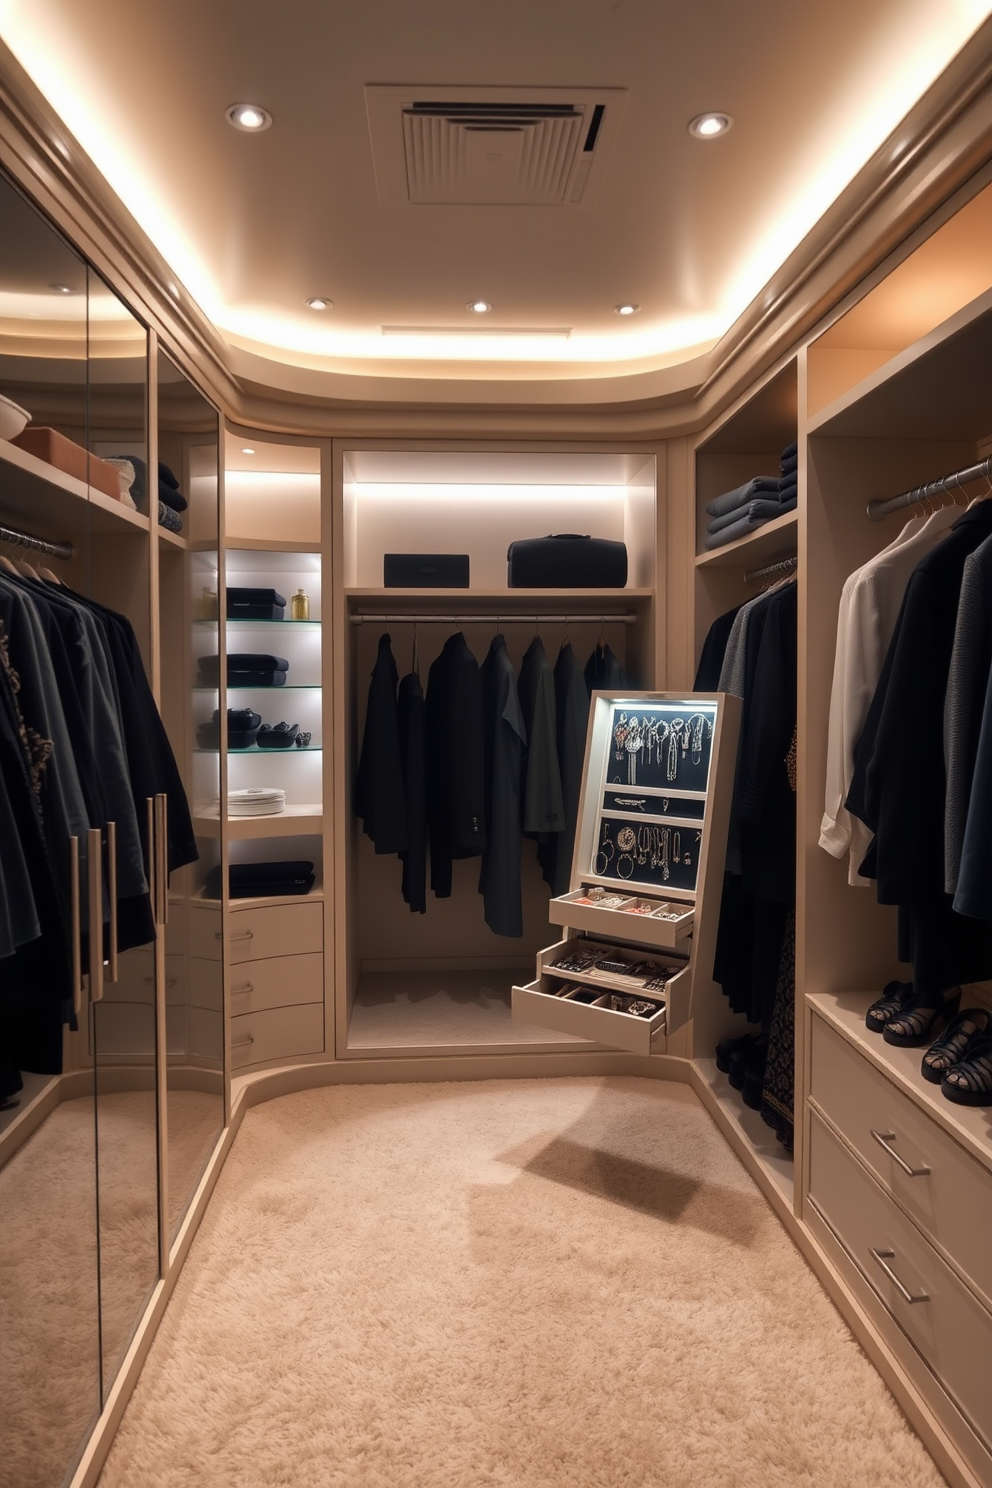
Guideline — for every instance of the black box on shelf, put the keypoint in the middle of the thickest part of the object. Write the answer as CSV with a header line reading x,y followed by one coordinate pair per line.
x,y
425,570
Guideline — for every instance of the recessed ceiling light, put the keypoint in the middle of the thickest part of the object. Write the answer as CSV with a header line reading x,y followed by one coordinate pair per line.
x,y
249,117
63,289
319,303
710,126
247,450
481,307
626,309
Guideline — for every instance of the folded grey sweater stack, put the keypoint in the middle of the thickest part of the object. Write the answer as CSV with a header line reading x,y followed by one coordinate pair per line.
x,y
759,500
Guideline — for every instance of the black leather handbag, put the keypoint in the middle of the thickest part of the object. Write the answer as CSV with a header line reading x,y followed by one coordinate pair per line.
x,y
566,561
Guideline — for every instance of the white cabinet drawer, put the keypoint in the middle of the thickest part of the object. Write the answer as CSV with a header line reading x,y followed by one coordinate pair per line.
x,y
948,1193
536,1003
650,929
275,930
950,1329
280,1033
279,981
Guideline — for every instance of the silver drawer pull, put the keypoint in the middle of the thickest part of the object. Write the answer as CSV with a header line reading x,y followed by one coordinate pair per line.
x,y
883,1257
241,935
883,1139
242,991
242,1043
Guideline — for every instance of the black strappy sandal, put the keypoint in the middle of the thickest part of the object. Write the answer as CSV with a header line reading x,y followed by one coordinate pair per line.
x,y
953,1045
895,996
916,1024
970,1082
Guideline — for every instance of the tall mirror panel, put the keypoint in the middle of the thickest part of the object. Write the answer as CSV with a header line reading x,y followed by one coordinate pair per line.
x,y
192,700
123,1017
49,1275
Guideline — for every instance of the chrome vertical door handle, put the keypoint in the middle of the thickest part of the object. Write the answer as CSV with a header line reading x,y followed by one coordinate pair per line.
x,y
94,868
112,896
76,926
162,857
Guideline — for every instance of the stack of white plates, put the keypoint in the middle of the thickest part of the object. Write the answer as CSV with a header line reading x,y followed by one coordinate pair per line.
x,y
263,801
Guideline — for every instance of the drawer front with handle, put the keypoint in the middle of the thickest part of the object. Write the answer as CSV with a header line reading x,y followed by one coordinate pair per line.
x,y
536,1003
280,1033
279,981
946,1191
275,930
943,1320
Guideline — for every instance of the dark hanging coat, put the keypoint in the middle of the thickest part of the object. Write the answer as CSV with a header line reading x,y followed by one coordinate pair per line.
x,y
543,807
456,787
572,719
505,739
898,788
379,796
603,672
413,754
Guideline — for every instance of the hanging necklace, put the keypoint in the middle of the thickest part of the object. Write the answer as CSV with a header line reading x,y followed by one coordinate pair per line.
x,y
605,854
697,723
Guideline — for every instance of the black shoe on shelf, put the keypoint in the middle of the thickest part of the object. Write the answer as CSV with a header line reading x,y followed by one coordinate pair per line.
x,y
749,1062
954,1045
895,997
726,1048
919,1020
969,1083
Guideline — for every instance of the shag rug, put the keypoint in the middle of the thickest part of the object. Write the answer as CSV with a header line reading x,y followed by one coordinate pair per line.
x,y
523,1284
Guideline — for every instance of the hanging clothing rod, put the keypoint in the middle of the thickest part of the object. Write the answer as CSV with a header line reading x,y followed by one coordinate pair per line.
x,y
63,550
784,565
882,508
398,619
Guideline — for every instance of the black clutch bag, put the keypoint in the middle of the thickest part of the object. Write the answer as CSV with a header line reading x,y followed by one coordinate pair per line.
x,y
566,561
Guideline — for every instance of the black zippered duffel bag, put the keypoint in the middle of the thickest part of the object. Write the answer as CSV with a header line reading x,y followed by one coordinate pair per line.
x,y
566,561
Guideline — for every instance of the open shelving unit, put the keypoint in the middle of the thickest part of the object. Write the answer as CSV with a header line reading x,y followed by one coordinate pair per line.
x,y
441,982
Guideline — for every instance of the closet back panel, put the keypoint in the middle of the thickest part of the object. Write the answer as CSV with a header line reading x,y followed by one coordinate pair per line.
x,y
453,932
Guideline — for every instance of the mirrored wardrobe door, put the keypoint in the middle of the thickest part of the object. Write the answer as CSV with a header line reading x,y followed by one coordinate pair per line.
x,y
192,699
49,1298
123,1005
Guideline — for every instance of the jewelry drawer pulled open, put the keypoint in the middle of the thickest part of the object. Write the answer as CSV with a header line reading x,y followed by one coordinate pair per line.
x,y
609,993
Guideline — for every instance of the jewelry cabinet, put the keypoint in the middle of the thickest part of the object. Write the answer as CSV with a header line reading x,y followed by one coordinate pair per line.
x,y
656,789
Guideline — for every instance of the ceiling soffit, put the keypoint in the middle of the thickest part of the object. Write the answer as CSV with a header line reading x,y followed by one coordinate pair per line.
x,y
940,145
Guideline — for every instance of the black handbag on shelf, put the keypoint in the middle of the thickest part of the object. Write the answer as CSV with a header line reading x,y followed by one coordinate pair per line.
x,y
566,561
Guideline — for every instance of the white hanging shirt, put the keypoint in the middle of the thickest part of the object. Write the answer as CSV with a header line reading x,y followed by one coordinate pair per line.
x,y
869,607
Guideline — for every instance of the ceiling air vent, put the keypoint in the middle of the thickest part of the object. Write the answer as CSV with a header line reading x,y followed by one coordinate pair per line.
x,y
491,146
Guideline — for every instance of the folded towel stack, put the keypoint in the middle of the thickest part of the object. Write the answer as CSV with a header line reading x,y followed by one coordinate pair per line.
x,y
262,880
761,499
245,669
788,484
132,473
258,801
255,604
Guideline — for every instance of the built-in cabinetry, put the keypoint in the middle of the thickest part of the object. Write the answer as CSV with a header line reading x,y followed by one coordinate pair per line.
x,y
890,1190
888,1193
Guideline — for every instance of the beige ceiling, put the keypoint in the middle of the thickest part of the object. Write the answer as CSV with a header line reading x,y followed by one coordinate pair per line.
x,y
690,230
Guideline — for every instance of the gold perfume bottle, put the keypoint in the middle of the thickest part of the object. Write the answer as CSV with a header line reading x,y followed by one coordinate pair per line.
x,y
208,604
299,606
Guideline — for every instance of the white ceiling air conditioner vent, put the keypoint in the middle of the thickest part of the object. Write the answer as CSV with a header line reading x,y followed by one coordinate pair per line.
x,y
491,146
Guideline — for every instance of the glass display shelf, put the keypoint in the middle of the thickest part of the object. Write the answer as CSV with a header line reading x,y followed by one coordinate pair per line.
x,y
261,687
296,749
266,624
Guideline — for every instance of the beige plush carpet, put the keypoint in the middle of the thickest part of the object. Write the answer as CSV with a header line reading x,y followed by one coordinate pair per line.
x,y
522,1284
